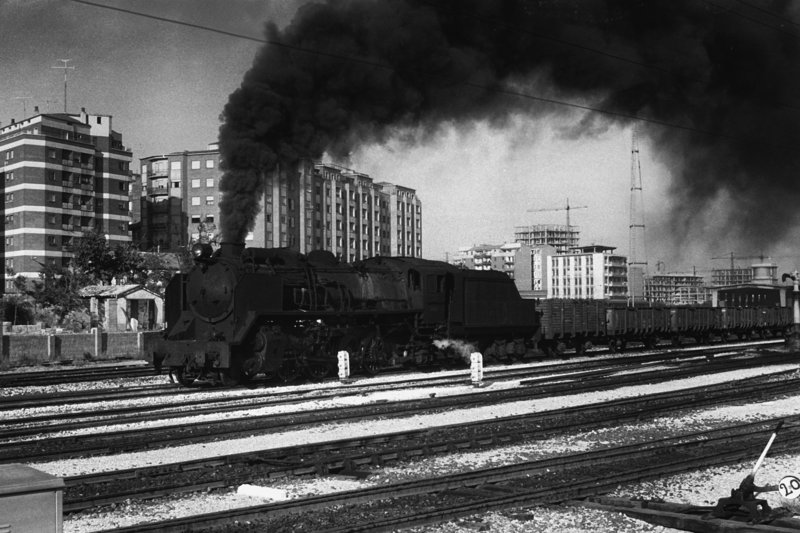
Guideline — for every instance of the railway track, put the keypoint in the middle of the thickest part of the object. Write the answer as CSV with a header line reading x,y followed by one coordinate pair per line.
x,y
75,374
65,374
186,432
354,455
176,400
446,497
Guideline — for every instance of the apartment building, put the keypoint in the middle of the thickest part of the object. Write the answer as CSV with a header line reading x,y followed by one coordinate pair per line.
x,y
524,264
62,175
588,272
721,277
308,206
562,237
180,199
677,289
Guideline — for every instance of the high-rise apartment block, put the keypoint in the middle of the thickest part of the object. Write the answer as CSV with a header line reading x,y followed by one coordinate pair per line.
x,y
308,206
62,175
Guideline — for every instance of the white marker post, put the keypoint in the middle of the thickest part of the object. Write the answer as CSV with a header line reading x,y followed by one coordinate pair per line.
x,y
476,368
344,365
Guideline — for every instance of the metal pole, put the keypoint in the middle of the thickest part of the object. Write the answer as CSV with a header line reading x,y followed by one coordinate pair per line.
x,y
766,449
795,337
65,68
793,341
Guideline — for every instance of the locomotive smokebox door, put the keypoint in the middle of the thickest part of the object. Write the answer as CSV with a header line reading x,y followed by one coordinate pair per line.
x,y
212,291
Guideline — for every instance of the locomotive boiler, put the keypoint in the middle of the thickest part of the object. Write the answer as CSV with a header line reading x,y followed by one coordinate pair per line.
x,y
242,311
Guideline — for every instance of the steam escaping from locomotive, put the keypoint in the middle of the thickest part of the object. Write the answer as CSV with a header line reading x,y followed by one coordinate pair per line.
x,y
358,71
463,349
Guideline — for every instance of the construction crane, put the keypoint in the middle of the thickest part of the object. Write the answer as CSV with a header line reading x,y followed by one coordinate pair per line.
x,y
566,208
733,257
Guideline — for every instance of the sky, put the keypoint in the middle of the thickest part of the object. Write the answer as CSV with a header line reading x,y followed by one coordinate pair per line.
x,y
166,86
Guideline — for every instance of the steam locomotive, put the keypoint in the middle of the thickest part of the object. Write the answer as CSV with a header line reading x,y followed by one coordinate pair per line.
x,y
242,311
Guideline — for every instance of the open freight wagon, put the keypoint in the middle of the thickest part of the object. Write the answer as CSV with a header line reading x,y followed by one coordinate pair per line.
x,y
580,324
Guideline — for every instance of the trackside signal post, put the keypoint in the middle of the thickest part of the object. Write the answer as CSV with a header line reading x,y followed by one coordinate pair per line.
x,y
793,342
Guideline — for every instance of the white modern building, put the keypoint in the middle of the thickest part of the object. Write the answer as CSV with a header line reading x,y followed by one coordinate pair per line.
x,y
588,272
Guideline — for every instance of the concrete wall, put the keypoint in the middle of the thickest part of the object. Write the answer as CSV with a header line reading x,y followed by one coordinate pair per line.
x,y
20,350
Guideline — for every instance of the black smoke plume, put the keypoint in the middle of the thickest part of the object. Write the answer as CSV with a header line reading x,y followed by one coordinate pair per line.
x,y
716,81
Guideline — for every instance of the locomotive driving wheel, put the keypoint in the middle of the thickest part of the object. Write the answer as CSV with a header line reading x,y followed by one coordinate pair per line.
x,y
317,370
372,357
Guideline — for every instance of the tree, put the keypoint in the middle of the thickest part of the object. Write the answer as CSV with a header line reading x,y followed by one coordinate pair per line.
x,y
94,258
56,290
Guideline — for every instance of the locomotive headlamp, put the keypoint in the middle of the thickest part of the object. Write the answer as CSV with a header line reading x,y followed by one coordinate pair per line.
x,y
201,251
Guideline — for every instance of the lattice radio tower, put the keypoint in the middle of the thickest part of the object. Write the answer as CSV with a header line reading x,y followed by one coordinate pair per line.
x,y
637,254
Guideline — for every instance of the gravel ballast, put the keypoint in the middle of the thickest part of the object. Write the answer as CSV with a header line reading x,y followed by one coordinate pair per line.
x,y
701,488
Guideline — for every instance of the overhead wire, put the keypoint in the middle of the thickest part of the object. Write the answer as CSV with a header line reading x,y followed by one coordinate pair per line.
x,y
374,64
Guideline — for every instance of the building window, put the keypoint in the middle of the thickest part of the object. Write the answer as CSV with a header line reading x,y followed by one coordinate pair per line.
x,y
210,219
52,154
9,241
175,169
176,184
209,182
9,155
195,200
195,164
195,219
209,200
51,240
51,219
209,163
9,176
196,183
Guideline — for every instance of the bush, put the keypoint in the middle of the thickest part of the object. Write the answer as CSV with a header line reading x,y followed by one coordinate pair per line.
x,y
77,320
47,316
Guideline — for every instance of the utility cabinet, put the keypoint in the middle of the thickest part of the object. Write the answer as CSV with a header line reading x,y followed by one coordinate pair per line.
x,y
30,500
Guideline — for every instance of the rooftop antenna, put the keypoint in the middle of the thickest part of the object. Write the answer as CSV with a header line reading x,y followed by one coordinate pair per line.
x,y
24,106
65,68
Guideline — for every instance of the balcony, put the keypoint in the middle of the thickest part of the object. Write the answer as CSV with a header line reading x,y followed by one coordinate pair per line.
x,y
67,227
157,190
87,207
66,205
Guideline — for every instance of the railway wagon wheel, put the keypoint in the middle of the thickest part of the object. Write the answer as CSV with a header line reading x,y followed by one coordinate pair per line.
x,y
186,375
289,370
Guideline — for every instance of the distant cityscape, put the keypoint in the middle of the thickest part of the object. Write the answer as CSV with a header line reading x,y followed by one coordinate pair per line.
x,y
66,174
546,261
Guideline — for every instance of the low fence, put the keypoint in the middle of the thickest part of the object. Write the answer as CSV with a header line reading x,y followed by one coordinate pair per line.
x,y
46,347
